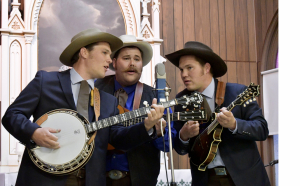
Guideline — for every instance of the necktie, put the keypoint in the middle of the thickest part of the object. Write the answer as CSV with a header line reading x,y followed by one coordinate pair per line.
x,y
83,99
122,97
206,106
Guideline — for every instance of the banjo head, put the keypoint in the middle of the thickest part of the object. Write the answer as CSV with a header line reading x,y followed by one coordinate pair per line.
x,y
74,150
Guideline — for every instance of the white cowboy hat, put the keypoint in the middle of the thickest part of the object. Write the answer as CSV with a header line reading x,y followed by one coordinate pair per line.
x,y
130,40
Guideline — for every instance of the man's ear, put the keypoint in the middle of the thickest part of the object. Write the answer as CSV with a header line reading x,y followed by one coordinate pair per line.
x,y
207,67
114,62
83,53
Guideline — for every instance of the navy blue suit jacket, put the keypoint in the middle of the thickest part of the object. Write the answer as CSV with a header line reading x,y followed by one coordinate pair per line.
x,y
238,151
52,90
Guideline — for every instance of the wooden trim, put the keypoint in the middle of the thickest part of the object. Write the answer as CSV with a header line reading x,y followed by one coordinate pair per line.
x,y
268,61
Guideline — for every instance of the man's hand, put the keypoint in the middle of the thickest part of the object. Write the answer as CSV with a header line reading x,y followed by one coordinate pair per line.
x,y
226,119
189,130
158,127
154,115
43,137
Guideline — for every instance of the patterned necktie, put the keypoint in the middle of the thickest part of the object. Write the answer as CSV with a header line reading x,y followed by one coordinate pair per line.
x,y
83,99
122,97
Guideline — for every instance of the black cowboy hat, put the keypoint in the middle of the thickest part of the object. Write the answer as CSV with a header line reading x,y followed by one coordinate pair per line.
x,y
203,52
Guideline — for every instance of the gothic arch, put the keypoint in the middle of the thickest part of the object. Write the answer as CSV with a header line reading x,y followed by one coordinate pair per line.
x,y
15,56
125,6
270,47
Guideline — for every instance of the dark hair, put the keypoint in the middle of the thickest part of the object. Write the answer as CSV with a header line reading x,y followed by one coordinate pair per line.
x,y
89,47
118,52
202,63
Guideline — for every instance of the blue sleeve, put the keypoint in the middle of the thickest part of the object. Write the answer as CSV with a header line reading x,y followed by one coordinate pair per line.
x,y
159,142
125,138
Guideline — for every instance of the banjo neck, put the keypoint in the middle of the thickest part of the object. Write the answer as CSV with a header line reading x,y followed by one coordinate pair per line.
x,y
107,122
113,120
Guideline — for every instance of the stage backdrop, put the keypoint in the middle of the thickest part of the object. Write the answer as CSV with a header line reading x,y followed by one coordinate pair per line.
x,y
58,23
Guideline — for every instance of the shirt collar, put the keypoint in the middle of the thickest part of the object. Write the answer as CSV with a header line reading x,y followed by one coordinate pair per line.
x,y
128,89
209,91
76,78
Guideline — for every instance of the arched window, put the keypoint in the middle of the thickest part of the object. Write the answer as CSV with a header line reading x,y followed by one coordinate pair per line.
x,y
59,21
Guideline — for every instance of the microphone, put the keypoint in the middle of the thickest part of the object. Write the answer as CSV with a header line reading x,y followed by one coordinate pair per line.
x,y
160,76
162,92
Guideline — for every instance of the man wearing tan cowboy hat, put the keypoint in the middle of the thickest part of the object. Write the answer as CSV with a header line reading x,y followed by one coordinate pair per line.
x,y
141,165
237,160
89,55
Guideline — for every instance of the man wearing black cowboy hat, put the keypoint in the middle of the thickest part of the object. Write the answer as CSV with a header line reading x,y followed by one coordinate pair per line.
x,y
89,55
141,165
237,157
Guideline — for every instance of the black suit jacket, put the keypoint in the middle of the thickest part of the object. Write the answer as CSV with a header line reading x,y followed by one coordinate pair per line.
x,y
52,90
238,151
144,160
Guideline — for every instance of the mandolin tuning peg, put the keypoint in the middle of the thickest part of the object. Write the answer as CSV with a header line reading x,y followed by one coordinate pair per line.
x,y
244,105
195,105
183,106
199,101
247,102
254,99
250,100
184,96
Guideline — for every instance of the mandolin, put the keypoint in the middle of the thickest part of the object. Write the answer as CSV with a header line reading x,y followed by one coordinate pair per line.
x,y
206,144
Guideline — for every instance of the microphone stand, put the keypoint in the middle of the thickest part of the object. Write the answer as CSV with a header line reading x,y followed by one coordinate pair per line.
x,y
272,163
173,183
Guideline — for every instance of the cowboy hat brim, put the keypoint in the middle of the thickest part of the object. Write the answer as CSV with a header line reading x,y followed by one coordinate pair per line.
x,y
85,40
145,47
217,64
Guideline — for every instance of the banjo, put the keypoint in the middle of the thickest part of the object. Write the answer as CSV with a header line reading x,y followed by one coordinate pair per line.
x,y
76,136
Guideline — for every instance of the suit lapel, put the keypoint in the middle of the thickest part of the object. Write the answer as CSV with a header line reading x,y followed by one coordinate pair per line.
x,y
215,93
65,82
107,84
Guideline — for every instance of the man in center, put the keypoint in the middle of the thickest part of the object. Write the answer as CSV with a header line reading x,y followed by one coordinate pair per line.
x,y
141,165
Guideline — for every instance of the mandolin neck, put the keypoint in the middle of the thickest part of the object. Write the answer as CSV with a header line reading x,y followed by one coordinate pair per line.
x,y
215,123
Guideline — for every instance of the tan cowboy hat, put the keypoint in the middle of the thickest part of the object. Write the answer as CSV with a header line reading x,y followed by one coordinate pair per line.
x,y
203,52
85,38
130,40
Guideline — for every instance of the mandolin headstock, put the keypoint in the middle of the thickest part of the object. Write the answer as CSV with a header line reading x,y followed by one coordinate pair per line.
x,y
248,95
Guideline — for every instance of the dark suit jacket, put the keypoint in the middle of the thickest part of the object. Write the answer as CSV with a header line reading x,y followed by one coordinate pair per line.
x,y
144,160
238,151
52,90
